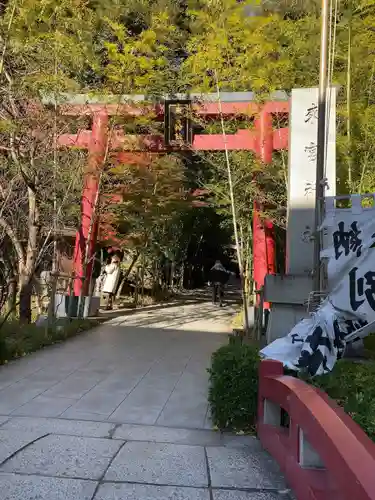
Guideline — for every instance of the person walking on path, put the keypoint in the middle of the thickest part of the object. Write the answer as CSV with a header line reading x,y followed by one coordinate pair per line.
x,y
112,276
218,277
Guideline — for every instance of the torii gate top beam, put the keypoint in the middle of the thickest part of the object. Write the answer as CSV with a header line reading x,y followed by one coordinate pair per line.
x,y
232,103
203,105
90,99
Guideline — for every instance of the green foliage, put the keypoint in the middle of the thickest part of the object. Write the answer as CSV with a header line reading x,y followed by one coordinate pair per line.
x,y
238,321
369,345
233,393
140,63
352,386
261,53
151,197
48,43
18,340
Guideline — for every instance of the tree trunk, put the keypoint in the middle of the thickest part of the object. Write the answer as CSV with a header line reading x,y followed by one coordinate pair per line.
x,y
182,277
127,273
27,270
12,295
142,287
171,274
25,302
136,291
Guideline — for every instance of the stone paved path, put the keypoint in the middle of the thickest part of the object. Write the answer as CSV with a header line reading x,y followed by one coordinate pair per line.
x,y
121,413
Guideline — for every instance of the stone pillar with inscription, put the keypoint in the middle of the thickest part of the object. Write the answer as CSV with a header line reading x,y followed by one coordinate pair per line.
x,y
288,294
303,131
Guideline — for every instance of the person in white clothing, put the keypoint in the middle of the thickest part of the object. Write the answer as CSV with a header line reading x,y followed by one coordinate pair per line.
x,y
112,276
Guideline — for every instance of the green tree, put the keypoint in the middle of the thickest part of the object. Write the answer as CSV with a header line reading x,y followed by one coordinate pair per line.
x,y
42,45
151,199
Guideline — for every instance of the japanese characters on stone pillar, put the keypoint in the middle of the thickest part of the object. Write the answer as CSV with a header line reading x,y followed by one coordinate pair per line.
x,y
302,174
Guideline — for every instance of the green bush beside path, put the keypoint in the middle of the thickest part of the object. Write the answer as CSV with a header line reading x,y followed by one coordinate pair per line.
x,y
233,392
18,339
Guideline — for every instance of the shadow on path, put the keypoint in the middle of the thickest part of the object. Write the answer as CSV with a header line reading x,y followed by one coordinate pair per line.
x,y
188,297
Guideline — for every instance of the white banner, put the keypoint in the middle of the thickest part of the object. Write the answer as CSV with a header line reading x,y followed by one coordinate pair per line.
x,y
350,237
315,343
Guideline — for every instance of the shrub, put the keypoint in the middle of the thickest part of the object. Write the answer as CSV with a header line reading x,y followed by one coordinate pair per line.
x,y
233,392
369,345
18,339
352,385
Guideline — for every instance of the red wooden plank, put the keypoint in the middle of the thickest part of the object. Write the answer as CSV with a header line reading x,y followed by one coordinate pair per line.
x,y
242,140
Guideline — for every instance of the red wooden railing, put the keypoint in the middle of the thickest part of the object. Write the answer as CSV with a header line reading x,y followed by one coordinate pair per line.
x,y
323,453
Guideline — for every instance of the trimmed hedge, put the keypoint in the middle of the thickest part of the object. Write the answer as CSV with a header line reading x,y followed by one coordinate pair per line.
x,y
18,339
352,385
369,346
233,391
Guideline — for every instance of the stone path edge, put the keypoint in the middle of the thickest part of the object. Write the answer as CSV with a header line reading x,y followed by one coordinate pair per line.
x,y
162,485
220,439
102,481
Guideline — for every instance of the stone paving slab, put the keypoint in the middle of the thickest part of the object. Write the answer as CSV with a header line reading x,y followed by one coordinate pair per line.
x,y
59,426
184,410
187,405
43,406
241,468
50,375
15,487
3,419
11,442
74,386
133,409
6,380
65,456
250,443
155,434
121,381
112,491
16,371
163,464
98,401
247,495
16,395
73,414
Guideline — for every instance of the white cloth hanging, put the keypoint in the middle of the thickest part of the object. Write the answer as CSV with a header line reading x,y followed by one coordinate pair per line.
x,y
112,278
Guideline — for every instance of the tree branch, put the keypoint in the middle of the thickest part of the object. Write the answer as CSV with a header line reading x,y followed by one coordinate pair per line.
x,y
14,239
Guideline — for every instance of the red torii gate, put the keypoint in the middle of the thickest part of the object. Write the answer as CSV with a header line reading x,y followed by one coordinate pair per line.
x,y
263,139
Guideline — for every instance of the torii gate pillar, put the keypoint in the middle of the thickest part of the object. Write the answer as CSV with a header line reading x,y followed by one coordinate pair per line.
x,y
87,233
264,259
